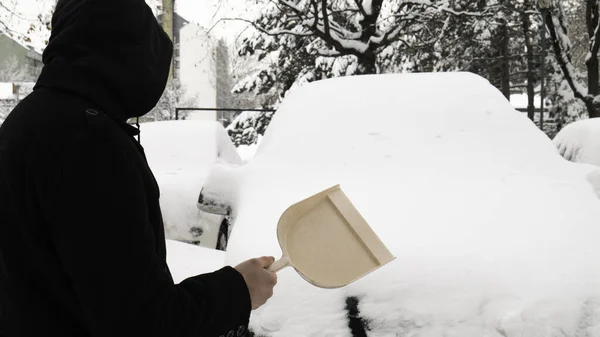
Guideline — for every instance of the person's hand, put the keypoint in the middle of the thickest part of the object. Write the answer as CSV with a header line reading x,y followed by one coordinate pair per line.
x,y
260,281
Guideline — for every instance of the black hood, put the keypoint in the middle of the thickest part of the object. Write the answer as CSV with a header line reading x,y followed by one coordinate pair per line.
x,y
111,52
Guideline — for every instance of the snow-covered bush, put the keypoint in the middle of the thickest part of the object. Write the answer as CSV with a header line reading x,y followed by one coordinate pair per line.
x,y
173,97
248,126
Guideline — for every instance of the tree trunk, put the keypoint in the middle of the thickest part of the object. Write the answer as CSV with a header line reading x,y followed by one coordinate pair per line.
x,y
367,63
593,108
369,29
505,63
592,61
530,66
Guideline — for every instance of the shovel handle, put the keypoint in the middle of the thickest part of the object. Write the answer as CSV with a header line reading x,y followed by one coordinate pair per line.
x,y
279,264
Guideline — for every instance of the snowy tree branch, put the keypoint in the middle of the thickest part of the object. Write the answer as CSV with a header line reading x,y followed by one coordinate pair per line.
x,y
594,30
561,47
446,9
265,31
10,11
325,17
360,8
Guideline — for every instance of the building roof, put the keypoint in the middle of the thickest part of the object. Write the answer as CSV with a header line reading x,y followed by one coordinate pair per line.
x,y
26,45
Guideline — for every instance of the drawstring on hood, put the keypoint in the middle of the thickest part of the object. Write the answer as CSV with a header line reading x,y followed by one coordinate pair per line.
x,y
123,68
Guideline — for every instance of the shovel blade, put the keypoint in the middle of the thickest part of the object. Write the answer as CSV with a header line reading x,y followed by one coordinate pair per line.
x,y
328,242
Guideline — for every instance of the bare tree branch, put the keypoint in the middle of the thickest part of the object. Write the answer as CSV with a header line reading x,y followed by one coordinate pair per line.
x,y
261,29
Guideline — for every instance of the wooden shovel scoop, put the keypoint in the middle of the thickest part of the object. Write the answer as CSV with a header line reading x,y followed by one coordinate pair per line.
x,y
328,242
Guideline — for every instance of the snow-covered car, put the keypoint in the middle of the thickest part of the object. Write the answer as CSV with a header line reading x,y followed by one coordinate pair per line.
x,y
494,232
579,141
181,154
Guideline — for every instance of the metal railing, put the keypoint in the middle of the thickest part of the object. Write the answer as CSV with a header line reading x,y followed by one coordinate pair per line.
x,y
177,110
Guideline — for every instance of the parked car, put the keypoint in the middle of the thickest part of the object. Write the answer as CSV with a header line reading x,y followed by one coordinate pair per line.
x,y
181,154
493,232
217,196
579,141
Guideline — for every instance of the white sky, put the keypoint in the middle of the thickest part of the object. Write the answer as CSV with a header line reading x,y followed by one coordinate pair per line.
x,y
209,12
204,12
24,13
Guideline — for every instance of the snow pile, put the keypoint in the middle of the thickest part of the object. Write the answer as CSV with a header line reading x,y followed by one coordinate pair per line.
x,y
181,154
580,141
495,234
247,152
186,260
520,101
6,91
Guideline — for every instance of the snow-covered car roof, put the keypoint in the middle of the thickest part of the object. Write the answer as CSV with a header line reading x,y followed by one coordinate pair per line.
x,y
174,146
495,234
181,154
580,141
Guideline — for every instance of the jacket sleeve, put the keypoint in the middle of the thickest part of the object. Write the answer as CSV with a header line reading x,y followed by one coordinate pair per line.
x,y
98,208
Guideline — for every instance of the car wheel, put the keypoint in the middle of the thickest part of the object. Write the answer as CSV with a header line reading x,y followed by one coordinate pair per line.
x,y
223,236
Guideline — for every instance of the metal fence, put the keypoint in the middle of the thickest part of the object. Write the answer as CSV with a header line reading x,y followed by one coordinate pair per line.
x,y
223,115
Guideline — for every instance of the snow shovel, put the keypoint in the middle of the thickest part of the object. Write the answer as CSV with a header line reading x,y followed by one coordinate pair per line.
x,y
326,240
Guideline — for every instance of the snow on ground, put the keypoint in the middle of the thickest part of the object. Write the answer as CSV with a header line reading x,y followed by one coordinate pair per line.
x,y
580,141
187,260
6,91
495,234
181,154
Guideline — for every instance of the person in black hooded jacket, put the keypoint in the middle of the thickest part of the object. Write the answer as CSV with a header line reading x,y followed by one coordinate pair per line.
x,y
82,246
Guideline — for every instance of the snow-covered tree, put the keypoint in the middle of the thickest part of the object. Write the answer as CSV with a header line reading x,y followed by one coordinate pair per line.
x,y
348,37
557,25
173,97
575,12
247,126
7,11
12,71
309,40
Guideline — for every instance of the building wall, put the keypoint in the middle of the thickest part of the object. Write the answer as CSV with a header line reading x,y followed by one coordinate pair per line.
x,y
197,68
26,58
10,48
178,24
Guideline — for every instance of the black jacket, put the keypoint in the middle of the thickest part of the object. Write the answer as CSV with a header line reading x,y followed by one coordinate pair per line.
x,y
82,246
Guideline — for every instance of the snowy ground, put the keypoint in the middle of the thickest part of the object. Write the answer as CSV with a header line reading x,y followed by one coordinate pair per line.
x,y
580,141
186,260
494,232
